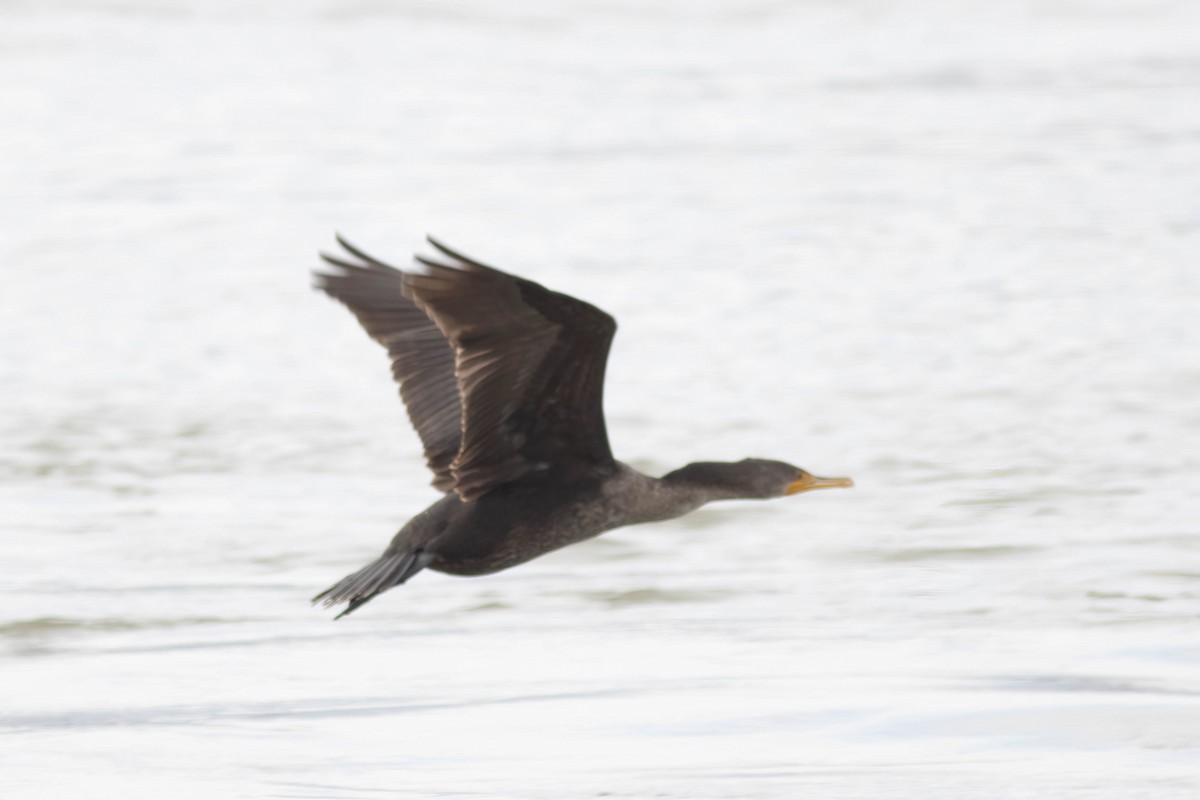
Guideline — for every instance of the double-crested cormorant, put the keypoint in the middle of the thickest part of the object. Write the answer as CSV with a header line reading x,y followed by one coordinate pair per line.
x,y
502,379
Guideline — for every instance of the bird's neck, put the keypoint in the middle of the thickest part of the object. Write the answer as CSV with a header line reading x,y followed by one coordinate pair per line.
x,y
648,499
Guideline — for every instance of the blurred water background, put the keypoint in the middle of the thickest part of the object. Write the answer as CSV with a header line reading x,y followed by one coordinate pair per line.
x,y
950,249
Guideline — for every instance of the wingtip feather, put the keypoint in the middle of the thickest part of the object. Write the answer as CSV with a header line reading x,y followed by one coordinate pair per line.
x,y
456,255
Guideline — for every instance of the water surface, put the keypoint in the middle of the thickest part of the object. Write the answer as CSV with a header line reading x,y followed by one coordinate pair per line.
x,y
947,249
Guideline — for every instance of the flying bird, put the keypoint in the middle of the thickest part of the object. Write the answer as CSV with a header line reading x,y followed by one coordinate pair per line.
x,y
503,380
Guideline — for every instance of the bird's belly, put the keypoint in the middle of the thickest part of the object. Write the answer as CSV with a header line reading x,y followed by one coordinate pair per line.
x,y
468,568
482,549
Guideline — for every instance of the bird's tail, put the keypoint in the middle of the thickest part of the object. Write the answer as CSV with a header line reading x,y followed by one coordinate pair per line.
x,y
390,569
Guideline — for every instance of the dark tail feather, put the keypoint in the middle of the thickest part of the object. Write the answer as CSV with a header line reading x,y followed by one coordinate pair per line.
x,y
380,575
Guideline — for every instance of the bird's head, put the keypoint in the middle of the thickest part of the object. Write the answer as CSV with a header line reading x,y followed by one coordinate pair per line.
x,y
754,478
778,478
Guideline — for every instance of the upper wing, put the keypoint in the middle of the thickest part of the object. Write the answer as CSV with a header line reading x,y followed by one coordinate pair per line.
x,y
422,359
530,369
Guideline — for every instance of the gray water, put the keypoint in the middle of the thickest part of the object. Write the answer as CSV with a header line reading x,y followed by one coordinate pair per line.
x,y
950,249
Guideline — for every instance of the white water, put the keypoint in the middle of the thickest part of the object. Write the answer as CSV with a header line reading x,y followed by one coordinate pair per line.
x,y
949,249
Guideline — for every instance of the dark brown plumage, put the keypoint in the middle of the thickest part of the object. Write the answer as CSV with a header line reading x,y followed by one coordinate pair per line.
x,y
503,381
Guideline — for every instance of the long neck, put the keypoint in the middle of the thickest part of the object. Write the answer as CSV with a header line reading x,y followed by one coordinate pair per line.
x,y
677,493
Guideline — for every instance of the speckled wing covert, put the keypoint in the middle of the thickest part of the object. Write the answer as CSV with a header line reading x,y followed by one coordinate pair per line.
x,y
527,365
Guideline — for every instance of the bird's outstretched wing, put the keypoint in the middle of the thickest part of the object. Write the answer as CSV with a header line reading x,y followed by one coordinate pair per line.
x,y
422,359
530,367
528,364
